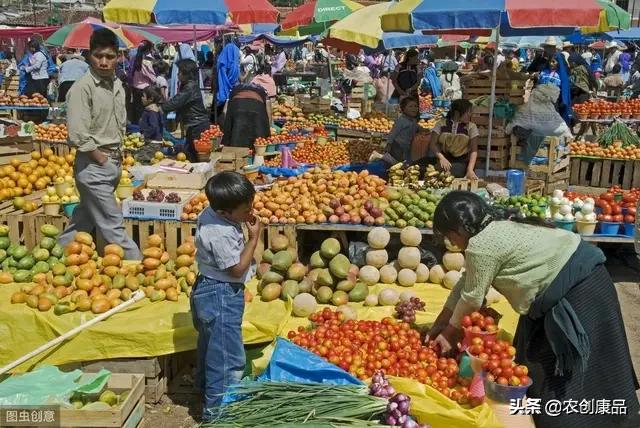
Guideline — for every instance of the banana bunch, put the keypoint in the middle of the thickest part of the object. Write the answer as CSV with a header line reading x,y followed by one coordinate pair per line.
x,y
401,176
435,179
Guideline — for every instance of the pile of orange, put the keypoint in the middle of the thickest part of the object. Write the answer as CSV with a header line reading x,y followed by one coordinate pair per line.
x,y
194,207
22,178
36,100
615,151
368,123
51,132
332,153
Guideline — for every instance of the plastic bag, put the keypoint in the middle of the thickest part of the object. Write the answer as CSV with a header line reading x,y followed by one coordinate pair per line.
x,y
48,385
291,363
539,113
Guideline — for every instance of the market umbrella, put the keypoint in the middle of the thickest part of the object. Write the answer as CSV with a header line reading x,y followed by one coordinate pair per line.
x,y
362,29
512,17
315,16
190,11
76,36
612,17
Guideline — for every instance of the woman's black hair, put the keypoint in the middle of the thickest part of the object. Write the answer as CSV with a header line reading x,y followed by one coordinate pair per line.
x,y
153,93
103,38
466,211
616,69
409,54
228,190
144,48
161,67
460,106
34,44
188,68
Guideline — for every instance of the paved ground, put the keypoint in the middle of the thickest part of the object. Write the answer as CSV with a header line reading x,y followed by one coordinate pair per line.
x,y
178,411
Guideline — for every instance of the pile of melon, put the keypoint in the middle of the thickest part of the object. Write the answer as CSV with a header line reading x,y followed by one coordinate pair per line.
x,y
450,271
406,271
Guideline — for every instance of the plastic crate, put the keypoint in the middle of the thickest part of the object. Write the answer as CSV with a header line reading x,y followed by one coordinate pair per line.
x,y
146,210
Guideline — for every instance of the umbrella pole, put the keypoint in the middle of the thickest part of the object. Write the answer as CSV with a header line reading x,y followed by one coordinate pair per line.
x,y
492,100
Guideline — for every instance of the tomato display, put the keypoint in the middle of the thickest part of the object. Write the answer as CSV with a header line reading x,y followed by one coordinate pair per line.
x,y
617,205
478,323
364,347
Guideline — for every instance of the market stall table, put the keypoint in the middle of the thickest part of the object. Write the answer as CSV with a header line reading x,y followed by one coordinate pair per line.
x,y
159,328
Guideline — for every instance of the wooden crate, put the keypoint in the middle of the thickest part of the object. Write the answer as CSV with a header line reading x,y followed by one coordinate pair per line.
x,y
466,184
498,153
157,371
604,173
128,414
556,167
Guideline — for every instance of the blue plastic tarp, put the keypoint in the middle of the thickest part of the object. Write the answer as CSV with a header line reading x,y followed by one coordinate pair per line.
x,y
630,34
283,41
291,363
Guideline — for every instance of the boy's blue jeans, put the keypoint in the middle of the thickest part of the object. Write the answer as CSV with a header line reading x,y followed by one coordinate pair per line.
x,y
216,309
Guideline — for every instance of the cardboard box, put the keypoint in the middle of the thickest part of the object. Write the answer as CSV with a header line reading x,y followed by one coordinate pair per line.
x,y
182,176
230,159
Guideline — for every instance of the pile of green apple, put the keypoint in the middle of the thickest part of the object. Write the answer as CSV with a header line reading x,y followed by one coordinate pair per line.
x,y
529,206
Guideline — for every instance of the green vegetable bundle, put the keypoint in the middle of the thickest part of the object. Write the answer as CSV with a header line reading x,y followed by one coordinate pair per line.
x,y
267,404
618,131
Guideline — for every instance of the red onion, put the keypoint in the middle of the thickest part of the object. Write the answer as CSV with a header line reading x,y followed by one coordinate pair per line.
x,y
400,397
409,423
390,420
403,406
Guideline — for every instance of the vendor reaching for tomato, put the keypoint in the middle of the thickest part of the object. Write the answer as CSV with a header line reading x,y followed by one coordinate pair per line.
x,y
456,138
570,334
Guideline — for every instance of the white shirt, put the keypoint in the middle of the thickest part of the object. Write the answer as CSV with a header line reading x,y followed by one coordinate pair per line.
x,y
37,66
613,59
500,59
587,56
248,63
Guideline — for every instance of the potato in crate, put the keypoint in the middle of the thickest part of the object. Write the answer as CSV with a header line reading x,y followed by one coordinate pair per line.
x,y
155,204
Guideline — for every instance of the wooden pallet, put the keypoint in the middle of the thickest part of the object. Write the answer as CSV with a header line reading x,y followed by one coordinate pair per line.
x,y
604,173
557,165
127,415
498,154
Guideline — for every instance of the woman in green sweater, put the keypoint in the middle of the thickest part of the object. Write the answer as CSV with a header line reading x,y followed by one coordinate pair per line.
x,y
570,333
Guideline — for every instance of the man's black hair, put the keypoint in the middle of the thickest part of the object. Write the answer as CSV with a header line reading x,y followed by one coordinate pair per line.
x,y
228,190
103,38
188,68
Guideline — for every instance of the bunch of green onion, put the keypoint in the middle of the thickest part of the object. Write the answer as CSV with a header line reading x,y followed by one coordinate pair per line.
x,y
280,404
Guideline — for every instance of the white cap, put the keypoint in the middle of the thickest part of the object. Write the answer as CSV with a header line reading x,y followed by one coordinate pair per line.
x,y
550,41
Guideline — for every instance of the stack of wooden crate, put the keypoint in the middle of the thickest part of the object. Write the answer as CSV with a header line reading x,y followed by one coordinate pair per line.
x,y
604,173
231,159
315,105
510,87
551,163
358,100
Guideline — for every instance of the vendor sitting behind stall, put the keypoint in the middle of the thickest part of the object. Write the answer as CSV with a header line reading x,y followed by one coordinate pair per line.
x,y
456,141
403,132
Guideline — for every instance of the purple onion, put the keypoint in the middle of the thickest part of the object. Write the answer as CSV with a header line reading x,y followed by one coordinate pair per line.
x,y
403,406
390,420
400,397
409,423
389,390
392,406
396,413
402,419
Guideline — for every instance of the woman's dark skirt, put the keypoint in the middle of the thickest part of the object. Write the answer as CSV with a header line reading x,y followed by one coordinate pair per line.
x,y
609,374
246,120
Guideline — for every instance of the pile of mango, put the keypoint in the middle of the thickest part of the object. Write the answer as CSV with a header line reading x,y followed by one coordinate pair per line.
x,y
76,278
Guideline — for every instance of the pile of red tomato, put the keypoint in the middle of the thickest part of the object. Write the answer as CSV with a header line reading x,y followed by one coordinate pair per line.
x,y
478,323
363,347
618,205
497,357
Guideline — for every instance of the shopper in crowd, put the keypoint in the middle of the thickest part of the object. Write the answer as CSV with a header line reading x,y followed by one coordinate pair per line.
x,y
279,61
161,68
612,56
405,78
189,105
37,75
389,62
96,121
225,263
450,81
455,141
248,64
265,81
614,82
552,279
72,69
582,81
549,75
626,61
405,129
152,121
321,54
143,76
247,117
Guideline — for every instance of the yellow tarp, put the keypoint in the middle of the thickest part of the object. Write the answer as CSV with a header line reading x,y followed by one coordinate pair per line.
x,y
151,329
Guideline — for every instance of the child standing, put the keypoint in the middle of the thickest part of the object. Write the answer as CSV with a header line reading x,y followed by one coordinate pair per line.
x,y
151,121
217,300
403,132
550,74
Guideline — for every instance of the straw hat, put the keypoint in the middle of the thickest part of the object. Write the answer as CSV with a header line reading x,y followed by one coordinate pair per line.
x,y
550,41
611,45
567,45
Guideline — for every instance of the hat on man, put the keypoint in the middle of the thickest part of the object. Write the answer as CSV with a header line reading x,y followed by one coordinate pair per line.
x,y
611,45
567,45
550,41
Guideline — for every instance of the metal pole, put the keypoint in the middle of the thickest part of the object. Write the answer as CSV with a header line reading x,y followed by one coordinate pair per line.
x,y
632,11
492,100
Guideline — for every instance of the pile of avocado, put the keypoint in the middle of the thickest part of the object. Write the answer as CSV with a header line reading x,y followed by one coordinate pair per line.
x,y
529,206
410,208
